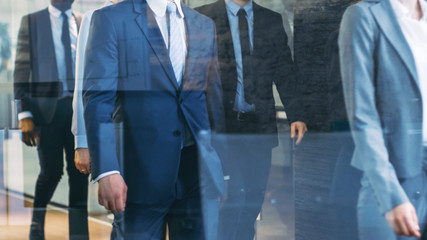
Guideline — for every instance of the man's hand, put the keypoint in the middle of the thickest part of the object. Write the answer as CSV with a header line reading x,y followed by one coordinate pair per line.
x,y
29,136
404,221
82,160
300,127
112,192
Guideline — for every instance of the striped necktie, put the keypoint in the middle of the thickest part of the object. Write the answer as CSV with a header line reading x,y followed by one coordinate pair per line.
x,y
176,51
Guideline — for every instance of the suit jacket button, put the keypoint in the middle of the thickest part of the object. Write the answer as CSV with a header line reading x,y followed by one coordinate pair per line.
x,y
177,133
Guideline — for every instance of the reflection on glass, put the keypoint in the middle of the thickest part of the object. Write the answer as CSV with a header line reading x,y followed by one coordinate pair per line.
x,y
148,93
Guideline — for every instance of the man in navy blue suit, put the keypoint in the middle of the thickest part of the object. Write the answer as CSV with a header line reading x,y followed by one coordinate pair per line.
x,y
151,67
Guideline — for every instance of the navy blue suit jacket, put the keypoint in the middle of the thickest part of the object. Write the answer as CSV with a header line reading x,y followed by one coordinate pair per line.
x,y
129,79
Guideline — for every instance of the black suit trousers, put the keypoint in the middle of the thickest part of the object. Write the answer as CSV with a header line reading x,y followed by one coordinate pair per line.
x,y
55,139
249,160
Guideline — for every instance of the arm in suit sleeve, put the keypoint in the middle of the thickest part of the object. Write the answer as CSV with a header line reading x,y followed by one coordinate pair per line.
x,y
356,46
214,90
285,74
22,72
99,94
215,105
78,127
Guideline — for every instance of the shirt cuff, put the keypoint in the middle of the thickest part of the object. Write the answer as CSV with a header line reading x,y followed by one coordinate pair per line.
x,y
227,177
105,175
80,141
23,115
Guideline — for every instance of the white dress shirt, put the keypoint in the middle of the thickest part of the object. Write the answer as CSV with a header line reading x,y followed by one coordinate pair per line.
x,y
415,32
78,127
159,9
56,21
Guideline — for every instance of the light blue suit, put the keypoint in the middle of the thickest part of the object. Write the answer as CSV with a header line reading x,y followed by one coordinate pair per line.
x,y
384,106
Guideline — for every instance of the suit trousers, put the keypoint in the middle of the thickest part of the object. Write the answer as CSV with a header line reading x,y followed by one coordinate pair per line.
x,y
345,189
249,160
181,214
373,225
55,139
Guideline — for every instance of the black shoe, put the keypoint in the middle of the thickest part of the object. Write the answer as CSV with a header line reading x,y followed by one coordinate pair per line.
x,y
36,231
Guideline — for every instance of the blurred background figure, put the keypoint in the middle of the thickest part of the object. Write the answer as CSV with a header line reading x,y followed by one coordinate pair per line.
x,y
346,179
253,54
383,64
326,185
44,82
5,47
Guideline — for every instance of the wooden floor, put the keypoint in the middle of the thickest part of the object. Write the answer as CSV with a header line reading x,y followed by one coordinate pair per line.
x,y
56,226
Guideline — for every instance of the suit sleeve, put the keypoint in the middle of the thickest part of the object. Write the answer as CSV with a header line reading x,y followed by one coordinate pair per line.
x,y
215,106
357,58
286,78
99,94
22,72
77,127
214,90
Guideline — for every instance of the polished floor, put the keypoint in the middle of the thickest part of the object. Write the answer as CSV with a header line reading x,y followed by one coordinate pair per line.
x,y
275,222
15,226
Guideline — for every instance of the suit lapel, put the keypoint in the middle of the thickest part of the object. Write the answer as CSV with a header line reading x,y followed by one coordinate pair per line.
x,y
191,28
78,18
148,25
45,39
387,20
225,43
259,26
224,32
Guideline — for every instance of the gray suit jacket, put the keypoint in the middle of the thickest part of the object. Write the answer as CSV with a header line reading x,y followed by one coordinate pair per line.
x,y
383,99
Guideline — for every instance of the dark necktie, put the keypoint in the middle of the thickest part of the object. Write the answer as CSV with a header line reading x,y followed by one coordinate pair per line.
x,y
65,37
246,56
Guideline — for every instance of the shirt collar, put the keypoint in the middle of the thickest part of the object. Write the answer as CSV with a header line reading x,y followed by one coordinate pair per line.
x,y
402,11
56,12
234,8
159,7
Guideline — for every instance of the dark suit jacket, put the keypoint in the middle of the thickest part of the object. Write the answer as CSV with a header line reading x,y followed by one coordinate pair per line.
x,y
271,63
129,78
36,81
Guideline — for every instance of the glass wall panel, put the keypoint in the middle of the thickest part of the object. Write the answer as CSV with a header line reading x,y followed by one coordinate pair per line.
x,y
230,129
